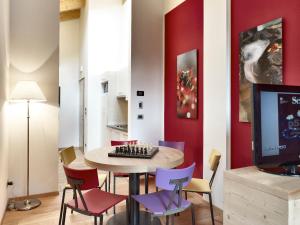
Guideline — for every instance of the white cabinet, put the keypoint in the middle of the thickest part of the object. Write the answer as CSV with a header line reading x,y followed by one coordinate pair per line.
x,y
123,83
252,197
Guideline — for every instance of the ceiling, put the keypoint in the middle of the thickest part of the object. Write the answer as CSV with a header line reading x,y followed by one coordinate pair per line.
x,y
70,9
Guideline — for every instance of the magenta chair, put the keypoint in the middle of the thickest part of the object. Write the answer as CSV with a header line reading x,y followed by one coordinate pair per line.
x,y
93,202
171,144
168,201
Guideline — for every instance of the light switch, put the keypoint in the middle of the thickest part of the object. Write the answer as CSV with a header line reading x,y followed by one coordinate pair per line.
x,y
140,105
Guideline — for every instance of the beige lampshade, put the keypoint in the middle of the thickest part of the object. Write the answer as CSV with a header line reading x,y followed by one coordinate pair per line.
x,y
27,91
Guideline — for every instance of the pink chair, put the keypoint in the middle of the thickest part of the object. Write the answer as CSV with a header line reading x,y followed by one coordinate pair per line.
x,y
93,202
169,200
171,144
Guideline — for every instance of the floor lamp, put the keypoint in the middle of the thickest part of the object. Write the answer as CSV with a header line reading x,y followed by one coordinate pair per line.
x,y
27,91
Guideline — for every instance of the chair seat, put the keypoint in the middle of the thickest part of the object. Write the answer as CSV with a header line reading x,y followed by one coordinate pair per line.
x,y
157,202
121,174
198,185
97,201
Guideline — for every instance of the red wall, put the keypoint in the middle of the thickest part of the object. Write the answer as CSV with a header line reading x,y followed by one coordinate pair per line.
x,y
184,32
245,15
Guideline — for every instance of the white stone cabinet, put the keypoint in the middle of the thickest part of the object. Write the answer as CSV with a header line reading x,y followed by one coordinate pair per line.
x,y
252,197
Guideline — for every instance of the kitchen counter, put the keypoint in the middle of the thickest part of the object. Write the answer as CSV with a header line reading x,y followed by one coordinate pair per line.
x,y
119,127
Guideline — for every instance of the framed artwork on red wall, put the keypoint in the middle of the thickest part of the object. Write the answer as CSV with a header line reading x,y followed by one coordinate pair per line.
x,y
260,61
187,85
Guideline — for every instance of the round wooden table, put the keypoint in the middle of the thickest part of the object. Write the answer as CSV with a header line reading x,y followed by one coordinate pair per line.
x,y
165,158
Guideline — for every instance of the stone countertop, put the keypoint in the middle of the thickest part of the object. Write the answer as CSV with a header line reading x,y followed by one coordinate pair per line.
x,y
123,128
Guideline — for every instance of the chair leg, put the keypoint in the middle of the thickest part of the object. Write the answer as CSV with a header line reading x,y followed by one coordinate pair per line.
x,y
101,220
127,211
106,191
146,183
62,206
167,220
74,193
95,220
172,220
193,215
109,180
211,209
114,192
64,215
156,189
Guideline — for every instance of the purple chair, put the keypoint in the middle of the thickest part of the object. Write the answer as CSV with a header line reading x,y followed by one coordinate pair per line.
x,y
171,144
168,201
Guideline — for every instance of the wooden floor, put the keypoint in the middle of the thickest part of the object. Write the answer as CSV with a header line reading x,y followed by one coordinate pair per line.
x,y
48,212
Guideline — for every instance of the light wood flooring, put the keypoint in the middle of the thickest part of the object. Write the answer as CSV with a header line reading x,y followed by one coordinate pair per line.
x,y
48,212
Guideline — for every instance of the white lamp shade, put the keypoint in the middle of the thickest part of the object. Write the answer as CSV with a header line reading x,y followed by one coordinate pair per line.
x,y
27,91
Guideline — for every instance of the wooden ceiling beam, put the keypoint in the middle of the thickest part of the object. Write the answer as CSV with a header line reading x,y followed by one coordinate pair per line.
x,y
70,15
71,5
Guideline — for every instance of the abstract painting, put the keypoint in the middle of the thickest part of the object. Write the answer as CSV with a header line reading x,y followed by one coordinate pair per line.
x,y
260,61
187,85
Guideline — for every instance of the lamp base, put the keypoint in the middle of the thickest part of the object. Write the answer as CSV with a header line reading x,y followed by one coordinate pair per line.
x,y
27,204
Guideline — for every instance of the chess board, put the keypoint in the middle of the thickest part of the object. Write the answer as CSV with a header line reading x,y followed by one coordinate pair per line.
x,y
133,152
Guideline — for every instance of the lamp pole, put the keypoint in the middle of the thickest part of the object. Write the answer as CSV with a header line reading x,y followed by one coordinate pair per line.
x,y
28,203
27,91
28,117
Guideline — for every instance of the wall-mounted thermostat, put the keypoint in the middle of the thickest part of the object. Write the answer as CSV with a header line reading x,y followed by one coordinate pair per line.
x,y
140,93
141,105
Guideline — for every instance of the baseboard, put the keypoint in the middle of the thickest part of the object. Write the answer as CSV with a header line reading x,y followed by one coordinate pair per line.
x,y
48,194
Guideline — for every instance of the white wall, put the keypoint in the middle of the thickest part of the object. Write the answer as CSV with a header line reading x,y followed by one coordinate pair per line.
x,y
147,70
83,57
34,55
4,70
216,90
103,50
69,84
171,4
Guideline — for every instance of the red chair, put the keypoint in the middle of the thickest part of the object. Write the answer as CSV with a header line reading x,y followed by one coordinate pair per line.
x,y
121,175
94,202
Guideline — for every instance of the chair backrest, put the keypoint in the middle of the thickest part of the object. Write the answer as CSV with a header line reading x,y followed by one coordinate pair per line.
x,y
174,180
214,161
67,155
81,180
129,142
167,179
86,178
172,144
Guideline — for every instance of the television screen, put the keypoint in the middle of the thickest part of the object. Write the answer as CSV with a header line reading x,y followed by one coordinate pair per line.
x,y
276,125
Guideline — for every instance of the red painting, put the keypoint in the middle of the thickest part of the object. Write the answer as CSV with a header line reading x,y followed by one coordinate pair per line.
x,y
187,83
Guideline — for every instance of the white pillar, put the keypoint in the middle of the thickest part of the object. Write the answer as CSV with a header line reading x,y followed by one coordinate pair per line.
x,y
216,130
